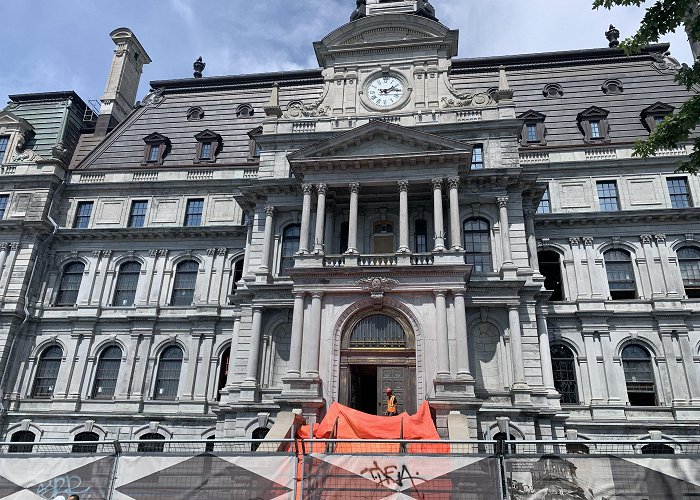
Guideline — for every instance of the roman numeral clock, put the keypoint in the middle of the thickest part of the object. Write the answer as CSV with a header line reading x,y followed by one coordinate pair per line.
x,y
385,90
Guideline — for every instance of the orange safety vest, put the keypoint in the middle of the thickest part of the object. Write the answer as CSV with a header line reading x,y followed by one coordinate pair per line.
x,y
391,404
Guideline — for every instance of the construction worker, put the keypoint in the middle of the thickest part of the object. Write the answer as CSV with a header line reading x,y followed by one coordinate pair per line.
x,y
391,403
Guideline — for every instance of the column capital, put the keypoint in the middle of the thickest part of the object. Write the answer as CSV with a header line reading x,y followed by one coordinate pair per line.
x,y
459,293
322,188
587,241
645,238
153,252
96,253
317,294
354,187
221,251
437,183
660,238
14,246
530,213
502,201
574,242
163,252
257,307
307,188
297,294
269,210
512,307
211,252
453,182
440,293
4,247
403,185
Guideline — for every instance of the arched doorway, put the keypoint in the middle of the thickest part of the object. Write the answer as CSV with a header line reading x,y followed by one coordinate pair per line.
x,y
378,351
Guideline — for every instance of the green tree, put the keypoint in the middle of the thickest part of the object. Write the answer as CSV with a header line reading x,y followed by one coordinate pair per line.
x,y
661,18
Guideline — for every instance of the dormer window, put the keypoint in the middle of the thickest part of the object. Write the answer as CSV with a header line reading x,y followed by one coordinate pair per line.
x,y
655,114
208,146
593,123
534,131
157,148
612,87
553,91
195,114
245,111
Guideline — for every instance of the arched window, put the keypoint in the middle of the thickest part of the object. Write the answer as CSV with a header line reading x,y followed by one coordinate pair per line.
x,y
21,437
47,372
168,376
107,373
378,331
564,371
618,265
477,244
501,447
127,281
550,268
689,262
290,246
70,284
223,371
151,443
421,227
657,449
258,433
639,375
185,281
85,437
237,273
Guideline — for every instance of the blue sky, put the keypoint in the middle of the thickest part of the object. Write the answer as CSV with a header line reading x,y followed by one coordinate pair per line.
x,y
64,44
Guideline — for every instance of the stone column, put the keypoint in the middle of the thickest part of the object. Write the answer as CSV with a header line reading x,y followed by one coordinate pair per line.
x,y
297,340
234,345
158,278
194,345
679,392
531,240
455,230
545,354
217,285
320,219
437,216
594,281
516,346
99,297
670,273
3,256
88,282
314,340
583,282
443,353
201,377
505,230
139,378
691,371
403,217
248,244
594,375
463,370
267,240
77,379
251,374
352,222
305,219
613,377
65,372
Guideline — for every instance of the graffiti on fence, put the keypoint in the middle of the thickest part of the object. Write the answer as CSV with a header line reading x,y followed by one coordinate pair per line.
x,y
66,485
390,474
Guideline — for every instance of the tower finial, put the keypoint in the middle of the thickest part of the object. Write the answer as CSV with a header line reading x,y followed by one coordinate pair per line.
x,y
199,66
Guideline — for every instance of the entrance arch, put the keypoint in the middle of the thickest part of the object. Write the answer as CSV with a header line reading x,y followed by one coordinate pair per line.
x,y
377,350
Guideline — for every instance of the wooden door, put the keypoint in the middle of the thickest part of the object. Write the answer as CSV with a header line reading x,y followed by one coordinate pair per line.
x,y
394,377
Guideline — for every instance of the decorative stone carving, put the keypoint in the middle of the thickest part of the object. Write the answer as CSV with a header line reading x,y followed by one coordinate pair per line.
x,y
453,182
502,201
28,156
60,153
322,188
588,241
437,183
354,187
645,238
153,252
660,238
3,247
377,284
154,98
198,67
269,210
307,188
221,251
403,185
297,109
574,242
163,252
211,252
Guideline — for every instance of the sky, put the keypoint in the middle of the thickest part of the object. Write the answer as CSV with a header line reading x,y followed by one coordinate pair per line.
x,y
53,45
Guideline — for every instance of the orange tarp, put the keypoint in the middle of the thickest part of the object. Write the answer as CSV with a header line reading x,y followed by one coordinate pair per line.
x,y
342,422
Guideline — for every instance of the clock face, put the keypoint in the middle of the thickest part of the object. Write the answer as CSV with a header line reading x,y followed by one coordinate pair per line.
x,y
385,91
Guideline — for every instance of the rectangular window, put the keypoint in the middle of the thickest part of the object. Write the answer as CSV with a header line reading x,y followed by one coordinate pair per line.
x,y
82,215
4,198
193,216
4,141
137,216
206,151
532,132
477,157
607,196
678,189
544,207
658,119
153,152
595,129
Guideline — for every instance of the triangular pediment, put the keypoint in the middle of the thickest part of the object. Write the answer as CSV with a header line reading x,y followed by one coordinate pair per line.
x,y
207,135
155,138
532,115
658,108
378,139
593,112
7,118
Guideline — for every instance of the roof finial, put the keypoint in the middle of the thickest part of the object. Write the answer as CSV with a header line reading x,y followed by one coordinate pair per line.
x,y
613,36
360,10
199,66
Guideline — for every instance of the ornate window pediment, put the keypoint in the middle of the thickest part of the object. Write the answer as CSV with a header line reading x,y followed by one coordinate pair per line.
x,y
209,145
157,148
17,131
593,123
534,131
654,114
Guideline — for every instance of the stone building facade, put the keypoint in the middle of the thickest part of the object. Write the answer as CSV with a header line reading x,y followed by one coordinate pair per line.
x,y
472,232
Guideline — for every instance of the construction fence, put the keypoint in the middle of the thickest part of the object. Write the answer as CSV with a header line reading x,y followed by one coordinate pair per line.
x,y
350,469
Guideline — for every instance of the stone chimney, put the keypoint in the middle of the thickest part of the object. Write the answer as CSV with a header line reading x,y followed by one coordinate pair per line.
x,y
124,77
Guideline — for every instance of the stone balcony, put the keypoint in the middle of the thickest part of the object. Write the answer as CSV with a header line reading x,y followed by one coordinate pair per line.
x,y
387,260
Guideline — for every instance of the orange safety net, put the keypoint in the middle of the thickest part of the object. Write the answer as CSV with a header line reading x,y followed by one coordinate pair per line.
x,y
342,422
